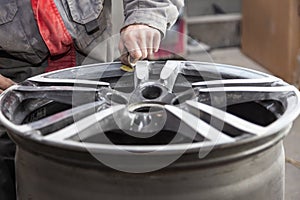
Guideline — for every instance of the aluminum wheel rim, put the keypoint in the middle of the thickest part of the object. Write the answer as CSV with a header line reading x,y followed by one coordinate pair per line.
x,y
246,84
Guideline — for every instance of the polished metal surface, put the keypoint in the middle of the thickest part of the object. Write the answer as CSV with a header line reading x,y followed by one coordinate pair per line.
x,y
221,86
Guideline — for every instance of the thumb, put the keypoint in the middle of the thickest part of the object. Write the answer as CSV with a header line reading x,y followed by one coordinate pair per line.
x,y
5,82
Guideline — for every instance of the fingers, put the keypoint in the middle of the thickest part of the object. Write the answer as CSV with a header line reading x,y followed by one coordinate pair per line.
x,y
149,45
124,53
140,41
126,57
5,83
156,42
135,49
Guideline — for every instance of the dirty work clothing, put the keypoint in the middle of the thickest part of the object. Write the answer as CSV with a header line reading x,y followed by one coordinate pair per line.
x,y
87,21
25,53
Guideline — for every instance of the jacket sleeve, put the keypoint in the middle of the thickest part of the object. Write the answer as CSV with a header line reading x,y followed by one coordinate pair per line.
x,y
159,14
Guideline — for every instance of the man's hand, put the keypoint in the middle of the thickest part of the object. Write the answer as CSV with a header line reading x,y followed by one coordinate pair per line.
x,y
5,83
139,41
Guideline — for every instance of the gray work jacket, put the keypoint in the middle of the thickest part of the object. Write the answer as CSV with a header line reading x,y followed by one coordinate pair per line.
x,y
88,22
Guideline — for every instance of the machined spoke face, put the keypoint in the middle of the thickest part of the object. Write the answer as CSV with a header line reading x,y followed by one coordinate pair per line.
x,y
169,74
62,119
242,94
200,126
228,118
94,72
172,102
249,89
79,128
56,81
237,82
62,94
141,73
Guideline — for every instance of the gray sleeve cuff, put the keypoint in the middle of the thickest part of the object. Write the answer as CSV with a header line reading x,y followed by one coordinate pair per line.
x,y
159,14
148,18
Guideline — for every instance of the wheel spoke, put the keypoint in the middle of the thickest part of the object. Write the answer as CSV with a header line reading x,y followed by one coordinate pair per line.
x,y
78,128
64,118
169,73
57,81
141,72
220,71
236,95
239,82
200,126
62,94
228,118
87,72
290,114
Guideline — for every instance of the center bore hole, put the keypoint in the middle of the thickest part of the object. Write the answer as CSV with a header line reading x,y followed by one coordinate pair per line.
x,y
148,109
151,92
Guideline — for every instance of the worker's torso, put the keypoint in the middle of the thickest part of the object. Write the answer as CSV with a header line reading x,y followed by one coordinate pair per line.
x,y
87,21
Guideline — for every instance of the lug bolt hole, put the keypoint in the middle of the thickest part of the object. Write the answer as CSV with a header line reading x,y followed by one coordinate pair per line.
x,y
151,92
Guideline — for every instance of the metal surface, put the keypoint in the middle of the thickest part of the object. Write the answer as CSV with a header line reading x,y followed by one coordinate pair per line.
x,y
223,125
